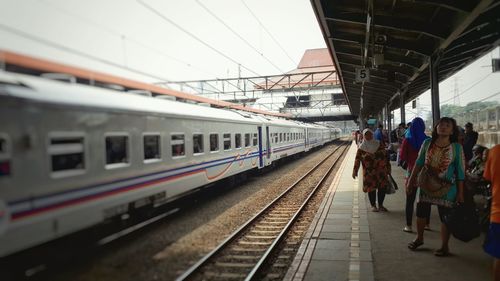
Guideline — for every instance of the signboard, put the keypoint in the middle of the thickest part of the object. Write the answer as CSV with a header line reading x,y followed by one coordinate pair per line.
x,y
362,75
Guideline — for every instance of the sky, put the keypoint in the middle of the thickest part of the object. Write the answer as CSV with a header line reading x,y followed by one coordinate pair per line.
x,y
172,40
167,40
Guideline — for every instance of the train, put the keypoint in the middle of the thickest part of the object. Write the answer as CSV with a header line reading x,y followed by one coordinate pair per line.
x,y
74,156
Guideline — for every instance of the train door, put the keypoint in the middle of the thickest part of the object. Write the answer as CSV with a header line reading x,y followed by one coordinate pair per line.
x,y
261,160
306,138
268,144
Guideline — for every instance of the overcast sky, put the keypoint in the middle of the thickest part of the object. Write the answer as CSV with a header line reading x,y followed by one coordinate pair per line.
x,y
146,35
153,40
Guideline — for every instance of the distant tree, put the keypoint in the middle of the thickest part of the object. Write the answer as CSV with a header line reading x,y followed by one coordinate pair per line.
x,y
450,110
478,105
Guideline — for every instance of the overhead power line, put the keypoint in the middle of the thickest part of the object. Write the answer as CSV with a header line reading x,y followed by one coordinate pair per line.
x,y
238,35
269,33
77,52
120,35
472,86
159,14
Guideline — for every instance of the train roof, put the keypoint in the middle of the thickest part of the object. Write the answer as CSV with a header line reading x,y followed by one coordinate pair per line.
x,y
64,93
57,92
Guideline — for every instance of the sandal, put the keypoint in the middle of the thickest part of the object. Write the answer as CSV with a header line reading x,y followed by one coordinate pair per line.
x,y
374,209
413,245
383,209
441,253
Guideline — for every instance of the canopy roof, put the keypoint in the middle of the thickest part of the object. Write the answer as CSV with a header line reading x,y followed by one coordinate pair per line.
x,y
407,34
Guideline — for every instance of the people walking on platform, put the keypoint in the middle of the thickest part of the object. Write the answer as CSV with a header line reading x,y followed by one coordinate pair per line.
x,y
469,141
412,142
401,132
357,138
379,134
376,167
474,180
440,170
492,243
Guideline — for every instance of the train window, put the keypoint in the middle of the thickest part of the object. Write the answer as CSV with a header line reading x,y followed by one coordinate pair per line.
x,y
237,140
67,155
227,141
3,145
247,140
287,136
177,142
4,157
152,149
275,137
214,142
197,143
254,139
281,137
116,151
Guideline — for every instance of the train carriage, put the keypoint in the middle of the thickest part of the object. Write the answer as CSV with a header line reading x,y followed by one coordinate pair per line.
x,y
74,156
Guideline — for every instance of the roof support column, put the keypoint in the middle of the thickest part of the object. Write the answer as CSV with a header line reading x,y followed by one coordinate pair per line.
x,y
402,107
388,115
434,76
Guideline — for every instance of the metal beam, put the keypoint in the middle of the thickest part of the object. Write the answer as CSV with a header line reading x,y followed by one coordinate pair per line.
x,y
456,32
454,5
422,48
390,23
388,59
434,77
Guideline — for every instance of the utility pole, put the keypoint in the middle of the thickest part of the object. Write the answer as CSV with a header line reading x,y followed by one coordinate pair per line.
x,y
456,96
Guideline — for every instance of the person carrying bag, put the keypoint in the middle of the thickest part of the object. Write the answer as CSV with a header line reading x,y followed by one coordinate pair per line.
x,y
440,169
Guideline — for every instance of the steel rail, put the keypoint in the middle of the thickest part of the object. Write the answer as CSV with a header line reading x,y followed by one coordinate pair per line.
x,y
194,268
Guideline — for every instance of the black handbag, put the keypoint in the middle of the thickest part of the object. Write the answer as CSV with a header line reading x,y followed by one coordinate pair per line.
x,y
463,222
392,186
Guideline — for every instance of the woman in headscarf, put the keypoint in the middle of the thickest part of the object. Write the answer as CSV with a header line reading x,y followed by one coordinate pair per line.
x,y
372,156
412,142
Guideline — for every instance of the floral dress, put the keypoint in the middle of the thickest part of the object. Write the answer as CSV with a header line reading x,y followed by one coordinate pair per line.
x,y
376,167
449,163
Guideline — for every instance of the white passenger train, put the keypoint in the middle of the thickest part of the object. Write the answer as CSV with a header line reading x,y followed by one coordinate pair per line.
x,y
73,156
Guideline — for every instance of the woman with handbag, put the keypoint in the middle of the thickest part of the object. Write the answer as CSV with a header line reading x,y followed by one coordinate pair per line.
x,y
440,172
412,142
372,156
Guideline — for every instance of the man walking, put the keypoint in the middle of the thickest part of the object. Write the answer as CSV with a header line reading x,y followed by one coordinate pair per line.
x,y
469,141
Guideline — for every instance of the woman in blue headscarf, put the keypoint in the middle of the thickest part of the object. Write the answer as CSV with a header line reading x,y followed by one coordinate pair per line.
x,y
414,137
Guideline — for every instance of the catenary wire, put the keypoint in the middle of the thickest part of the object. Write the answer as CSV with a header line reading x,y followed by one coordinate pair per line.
x,y
238,35
159,14
267,31
77,52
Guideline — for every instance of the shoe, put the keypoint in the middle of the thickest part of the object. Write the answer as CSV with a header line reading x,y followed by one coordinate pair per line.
x,y
427,227
374,209
383,209
441,253
413,245
407,229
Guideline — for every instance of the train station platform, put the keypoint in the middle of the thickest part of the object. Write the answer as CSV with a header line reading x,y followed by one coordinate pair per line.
x,y
347,241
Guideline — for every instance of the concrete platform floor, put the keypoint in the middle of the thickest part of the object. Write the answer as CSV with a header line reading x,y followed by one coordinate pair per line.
x,y
349,242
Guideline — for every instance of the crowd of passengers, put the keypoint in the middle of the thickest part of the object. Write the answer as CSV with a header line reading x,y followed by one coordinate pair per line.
x,y
445,168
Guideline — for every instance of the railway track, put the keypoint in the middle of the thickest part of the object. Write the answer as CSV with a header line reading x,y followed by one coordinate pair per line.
x,y
246,253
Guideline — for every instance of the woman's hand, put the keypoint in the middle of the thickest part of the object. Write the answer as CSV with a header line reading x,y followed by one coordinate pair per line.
x,y
354,174
410,186
460,198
